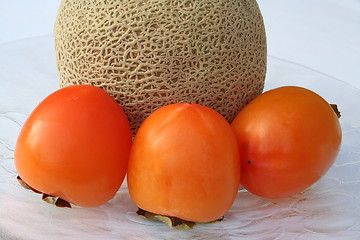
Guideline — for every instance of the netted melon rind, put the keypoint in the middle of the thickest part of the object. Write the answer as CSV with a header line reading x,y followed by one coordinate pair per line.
x,y
151,53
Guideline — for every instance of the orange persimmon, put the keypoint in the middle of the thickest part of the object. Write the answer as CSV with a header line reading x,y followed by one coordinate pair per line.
x,y
288,139
75,145
184,163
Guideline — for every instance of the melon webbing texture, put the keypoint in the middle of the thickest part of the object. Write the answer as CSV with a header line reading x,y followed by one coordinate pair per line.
x,y
151,53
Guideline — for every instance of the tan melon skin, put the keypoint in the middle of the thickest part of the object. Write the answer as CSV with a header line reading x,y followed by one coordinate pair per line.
x,y
151,53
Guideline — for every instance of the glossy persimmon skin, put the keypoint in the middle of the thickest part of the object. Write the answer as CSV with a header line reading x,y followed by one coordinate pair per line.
x,y
184,163
75,145
288,139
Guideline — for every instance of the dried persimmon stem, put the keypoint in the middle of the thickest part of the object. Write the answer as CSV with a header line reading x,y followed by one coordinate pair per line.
x,y
26,186
45,197
55,201
336,110
172,222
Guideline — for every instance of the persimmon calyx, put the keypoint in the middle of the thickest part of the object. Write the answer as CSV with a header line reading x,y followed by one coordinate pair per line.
x,y
25,185
58,202
336,110
172,222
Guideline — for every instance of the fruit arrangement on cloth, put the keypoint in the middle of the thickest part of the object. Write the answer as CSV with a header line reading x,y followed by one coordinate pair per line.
x,y
170,93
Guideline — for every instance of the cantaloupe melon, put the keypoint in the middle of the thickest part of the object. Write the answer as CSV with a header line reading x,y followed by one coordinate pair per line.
x,y
150,53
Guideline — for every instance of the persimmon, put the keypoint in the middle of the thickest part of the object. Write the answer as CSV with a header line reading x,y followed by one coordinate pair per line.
x,y
288,138
75,145
184,163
